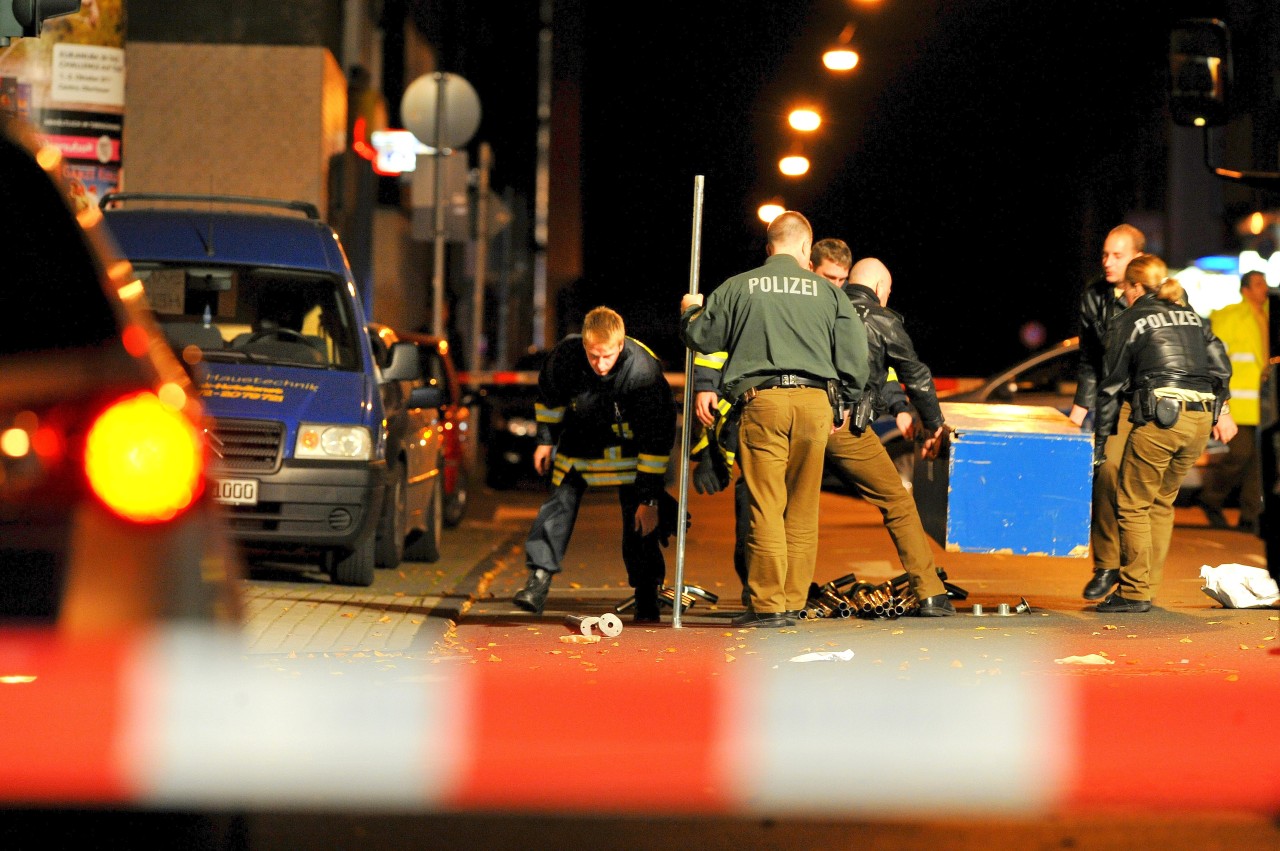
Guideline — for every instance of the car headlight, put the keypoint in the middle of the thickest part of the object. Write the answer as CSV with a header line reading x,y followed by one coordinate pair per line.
x,y
522,426
346,443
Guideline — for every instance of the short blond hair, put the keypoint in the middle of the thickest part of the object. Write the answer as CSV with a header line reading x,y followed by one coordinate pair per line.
x,y
604,325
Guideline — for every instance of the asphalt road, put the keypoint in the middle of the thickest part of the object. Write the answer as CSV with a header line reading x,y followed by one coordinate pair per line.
x,y
457,614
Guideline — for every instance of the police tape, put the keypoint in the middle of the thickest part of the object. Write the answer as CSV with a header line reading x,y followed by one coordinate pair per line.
x,y
525,378
184,718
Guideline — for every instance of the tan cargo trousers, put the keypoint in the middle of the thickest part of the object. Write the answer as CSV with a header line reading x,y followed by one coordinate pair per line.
x,y
863,460
1154,462
782,438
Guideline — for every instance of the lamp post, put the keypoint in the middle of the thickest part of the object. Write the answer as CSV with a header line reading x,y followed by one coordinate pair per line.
x,y
445,109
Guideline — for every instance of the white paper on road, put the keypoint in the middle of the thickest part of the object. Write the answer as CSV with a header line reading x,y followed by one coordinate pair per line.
x,y
831,656
1239,586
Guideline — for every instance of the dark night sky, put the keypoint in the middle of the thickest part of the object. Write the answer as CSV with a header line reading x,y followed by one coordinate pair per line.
x,y
982,149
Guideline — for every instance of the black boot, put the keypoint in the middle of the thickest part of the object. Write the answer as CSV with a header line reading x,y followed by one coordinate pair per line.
x,y
1104,579
646,604
533,596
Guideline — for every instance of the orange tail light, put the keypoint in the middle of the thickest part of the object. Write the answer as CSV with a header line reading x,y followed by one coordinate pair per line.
x,y
144,459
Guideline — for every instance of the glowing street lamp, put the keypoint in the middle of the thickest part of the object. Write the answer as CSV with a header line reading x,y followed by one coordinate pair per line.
x,y
804,119
770,210
841,57
793,165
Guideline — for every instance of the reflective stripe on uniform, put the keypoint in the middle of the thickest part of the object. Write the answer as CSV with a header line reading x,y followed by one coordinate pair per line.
x,y
548,415
656,464
715,360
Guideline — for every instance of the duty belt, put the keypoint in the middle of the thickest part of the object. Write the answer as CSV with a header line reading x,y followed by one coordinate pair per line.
x,y
789,380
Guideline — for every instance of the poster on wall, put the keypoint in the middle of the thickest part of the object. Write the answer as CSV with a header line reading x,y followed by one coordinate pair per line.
x,y
69,84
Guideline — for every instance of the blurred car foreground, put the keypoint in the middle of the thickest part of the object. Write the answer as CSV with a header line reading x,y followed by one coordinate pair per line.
x,y
106,518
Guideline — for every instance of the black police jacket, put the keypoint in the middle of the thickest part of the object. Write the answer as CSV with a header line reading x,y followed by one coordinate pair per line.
x,y
1157,343
1098,306
888,345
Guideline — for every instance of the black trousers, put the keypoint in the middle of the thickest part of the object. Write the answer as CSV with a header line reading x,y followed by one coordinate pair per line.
x,y
549,538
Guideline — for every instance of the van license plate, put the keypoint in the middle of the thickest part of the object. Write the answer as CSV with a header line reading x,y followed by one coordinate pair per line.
x,y
236,491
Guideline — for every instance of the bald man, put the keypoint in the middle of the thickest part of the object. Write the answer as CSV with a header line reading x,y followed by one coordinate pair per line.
x,y
857,454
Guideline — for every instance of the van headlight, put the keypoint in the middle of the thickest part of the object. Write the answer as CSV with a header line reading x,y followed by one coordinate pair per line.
x,y
348,443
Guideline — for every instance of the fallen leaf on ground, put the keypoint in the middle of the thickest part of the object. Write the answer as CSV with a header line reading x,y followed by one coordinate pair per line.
x,y
580,639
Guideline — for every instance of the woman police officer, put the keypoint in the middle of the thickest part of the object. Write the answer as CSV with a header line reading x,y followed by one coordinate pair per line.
x,y
1175,373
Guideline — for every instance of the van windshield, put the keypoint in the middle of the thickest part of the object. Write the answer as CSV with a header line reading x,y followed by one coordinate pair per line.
x,y
257,314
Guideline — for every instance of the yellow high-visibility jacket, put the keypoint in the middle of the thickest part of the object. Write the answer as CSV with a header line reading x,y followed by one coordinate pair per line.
x,y
1236,325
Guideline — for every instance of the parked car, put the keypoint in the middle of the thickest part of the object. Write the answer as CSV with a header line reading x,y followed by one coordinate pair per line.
x,y
106,512
1043,378
510,424
257,296
456,421
413,510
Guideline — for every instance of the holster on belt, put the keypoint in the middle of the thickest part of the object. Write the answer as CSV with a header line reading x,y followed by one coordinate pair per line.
x,y
839,408
863,414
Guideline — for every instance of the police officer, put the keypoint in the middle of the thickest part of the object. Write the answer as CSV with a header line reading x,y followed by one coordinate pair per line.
x,y
857,452
1176,375
606,407
794,346
1100,302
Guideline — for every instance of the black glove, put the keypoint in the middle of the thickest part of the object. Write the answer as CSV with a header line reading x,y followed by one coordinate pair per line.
x,y
709,477
668,511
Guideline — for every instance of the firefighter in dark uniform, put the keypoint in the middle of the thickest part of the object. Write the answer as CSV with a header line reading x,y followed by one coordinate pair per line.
x,y
1175,373
796,352
857,452
607,410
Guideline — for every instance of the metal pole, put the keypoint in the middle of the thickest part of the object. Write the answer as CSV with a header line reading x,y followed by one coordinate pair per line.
x,y
694,253
542,181
482,255
437,190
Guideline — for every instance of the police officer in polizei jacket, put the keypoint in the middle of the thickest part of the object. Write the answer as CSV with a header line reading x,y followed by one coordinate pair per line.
x,y
796,357
1175,373
606,408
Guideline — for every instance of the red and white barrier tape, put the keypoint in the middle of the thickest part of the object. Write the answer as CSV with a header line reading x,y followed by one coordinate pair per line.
x,y
179,718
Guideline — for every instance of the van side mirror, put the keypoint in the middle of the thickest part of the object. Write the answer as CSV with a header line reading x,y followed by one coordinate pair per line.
x,y
1199,72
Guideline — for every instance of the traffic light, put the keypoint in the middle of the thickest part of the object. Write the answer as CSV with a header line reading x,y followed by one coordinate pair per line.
x,y
22,18
1199,72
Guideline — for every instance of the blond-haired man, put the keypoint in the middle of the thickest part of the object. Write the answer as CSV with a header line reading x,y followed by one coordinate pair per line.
x,y
606,418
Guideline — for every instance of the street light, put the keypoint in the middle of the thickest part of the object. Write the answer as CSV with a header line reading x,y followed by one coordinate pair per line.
x,y
841,57
804,119
770,210
793,165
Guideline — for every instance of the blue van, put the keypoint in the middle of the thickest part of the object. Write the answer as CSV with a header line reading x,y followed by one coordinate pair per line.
x,y
257,297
